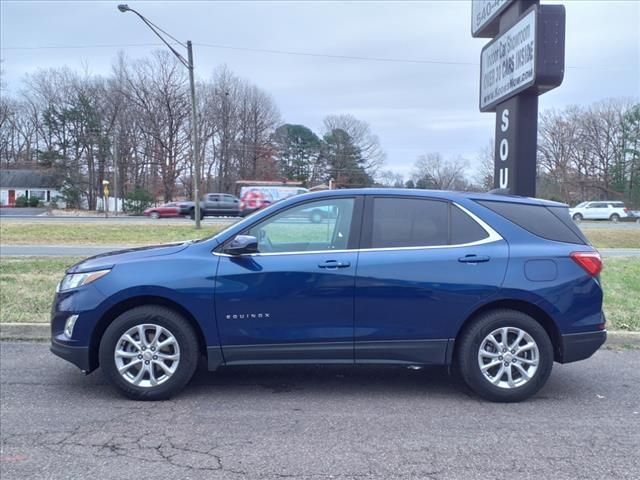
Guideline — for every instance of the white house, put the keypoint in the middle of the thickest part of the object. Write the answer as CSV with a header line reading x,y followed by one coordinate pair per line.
x,y
41,184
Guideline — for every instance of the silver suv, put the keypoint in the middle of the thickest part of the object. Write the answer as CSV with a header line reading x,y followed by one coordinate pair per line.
x,y
600,210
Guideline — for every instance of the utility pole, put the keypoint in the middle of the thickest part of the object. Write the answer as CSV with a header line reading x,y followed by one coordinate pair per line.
x,y
194,115
115,171
194,136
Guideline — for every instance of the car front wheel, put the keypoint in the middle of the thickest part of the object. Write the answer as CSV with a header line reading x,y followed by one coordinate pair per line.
x,y
577,217
149,353
505,356
155,215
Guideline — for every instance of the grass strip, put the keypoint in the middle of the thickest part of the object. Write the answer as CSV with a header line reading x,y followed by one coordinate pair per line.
x,y
27,286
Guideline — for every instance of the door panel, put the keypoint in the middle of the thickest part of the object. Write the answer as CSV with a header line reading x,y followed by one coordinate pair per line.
x,y
293,301
425,264
409,302
277,308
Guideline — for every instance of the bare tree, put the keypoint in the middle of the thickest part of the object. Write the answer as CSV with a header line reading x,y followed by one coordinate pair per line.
x,y
433,171
362,137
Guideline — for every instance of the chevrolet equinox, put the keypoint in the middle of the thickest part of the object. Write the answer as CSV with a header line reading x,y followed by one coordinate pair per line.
x,y
497,287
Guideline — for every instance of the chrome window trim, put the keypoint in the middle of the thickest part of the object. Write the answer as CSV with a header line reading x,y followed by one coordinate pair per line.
x,y
493,237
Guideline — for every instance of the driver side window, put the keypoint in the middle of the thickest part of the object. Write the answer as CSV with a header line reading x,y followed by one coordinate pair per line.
x,y
320,225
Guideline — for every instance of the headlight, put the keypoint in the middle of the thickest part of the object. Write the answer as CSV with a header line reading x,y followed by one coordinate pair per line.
x,y
76,280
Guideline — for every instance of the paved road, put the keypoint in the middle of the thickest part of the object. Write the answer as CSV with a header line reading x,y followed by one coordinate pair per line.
x,y
21,212
317,423
120,219
608,225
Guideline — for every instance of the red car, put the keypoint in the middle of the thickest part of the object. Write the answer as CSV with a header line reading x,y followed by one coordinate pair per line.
x,y
166,210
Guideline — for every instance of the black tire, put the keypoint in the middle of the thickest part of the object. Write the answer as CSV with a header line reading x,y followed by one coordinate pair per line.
x,y
155,215
192,214
577,217
469,344
185,337
615,218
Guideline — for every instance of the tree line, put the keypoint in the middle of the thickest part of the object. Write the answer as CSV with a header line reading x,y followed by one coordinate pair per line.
x,y
584,153
135,123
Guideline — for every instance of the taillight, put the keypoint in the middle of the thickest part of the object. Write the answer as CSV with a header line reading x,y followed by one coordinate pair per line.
x,y
626,210
589,261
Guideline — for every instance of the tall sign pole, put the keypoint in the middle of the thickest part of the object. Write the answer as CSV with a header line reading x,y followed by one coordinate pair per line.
x,y
524,60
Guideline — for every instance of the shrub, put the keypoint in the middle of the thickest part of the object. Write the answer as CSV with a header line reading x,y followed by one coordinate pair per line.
x,y
138,201
71,195
34,202
22,201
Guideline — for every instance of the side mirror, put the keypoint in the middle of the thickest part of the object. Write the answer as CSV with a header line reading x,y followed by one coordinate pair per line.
x,y
242,244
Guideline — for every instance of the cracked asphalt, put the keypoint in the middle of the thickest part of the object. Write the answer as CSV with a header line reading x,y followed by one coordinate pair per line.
x,y
316,423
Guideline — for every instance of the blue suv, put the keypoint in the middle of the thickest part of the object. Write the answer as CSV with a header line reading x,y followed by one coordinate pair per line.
x,y
498,287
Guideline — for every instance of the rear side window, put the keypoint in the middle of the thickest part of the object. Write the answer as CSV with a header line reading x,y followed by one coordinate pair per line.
x,y
397,222
552,223
409,222
464,229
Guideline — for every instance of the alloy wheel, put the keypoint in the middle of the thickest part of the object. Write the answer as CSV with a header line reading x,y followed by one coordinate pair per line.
x,y
508,357
147,355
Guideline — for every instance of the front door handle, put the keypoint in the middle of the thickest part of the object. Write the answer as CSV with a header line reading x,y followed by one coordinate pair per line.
x,y
334,264
474,259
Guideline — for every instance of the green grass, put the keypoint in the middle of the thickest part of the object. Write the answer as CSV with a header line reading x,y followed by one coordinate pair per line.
x,y
613,238
79,233
27,285
621,283
86,233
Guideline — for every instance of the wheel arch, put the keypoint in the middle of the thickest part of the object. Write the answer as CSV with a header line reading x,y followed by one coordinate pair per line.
x,y
534,311
138,301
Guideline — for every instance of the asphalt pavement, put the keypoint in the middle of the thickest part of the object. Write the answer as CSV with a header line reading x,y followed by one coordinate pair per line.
x,y
317,423
125,219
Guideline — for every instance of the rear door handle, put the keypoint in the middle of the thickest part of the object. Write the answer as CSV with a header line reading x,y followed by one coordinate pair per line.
x,y
334,264
474,259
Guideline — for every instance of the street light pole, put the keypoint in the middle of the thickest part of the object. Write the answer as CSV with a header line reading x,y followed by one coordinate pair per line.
x,y
194,137
194,114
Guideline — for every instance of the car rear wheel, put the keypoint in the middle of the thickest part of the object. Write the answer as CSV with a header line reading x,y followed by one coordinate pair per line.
x,y
155,215
505,356
577,217
615,218
149,353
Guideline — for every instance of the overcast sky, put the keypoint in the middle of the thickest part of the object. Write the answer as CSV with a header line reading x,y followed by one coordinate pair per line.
x,y
413,107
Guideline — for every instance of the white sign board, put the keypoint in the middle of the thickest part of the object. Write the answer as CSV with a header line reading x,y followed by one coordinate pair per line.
x,y
483,12
507,64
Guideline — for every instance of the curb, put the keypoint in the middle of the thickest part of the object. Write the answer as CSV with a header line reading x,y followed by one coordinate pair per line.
x,y
41,332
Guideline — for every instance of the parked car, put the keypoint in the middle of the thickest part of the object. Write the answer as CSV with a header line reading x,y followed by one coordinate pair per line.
x,y
166,210
256,197
600,210
497,287
213,204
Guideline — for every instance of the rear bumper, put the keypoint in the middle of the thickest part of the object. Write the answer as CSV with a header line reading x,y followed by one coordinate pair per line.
x,y
578,346
79,356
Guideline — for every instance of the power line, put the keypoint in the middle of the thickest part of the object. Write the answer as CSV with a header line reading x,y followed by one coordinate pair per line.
x,y
414,61
73,47
250,49
340,57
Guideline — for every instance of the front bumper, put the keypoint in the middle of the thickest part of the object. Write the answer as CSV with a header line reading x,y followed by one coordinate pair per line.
x,y
579,346
79,356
